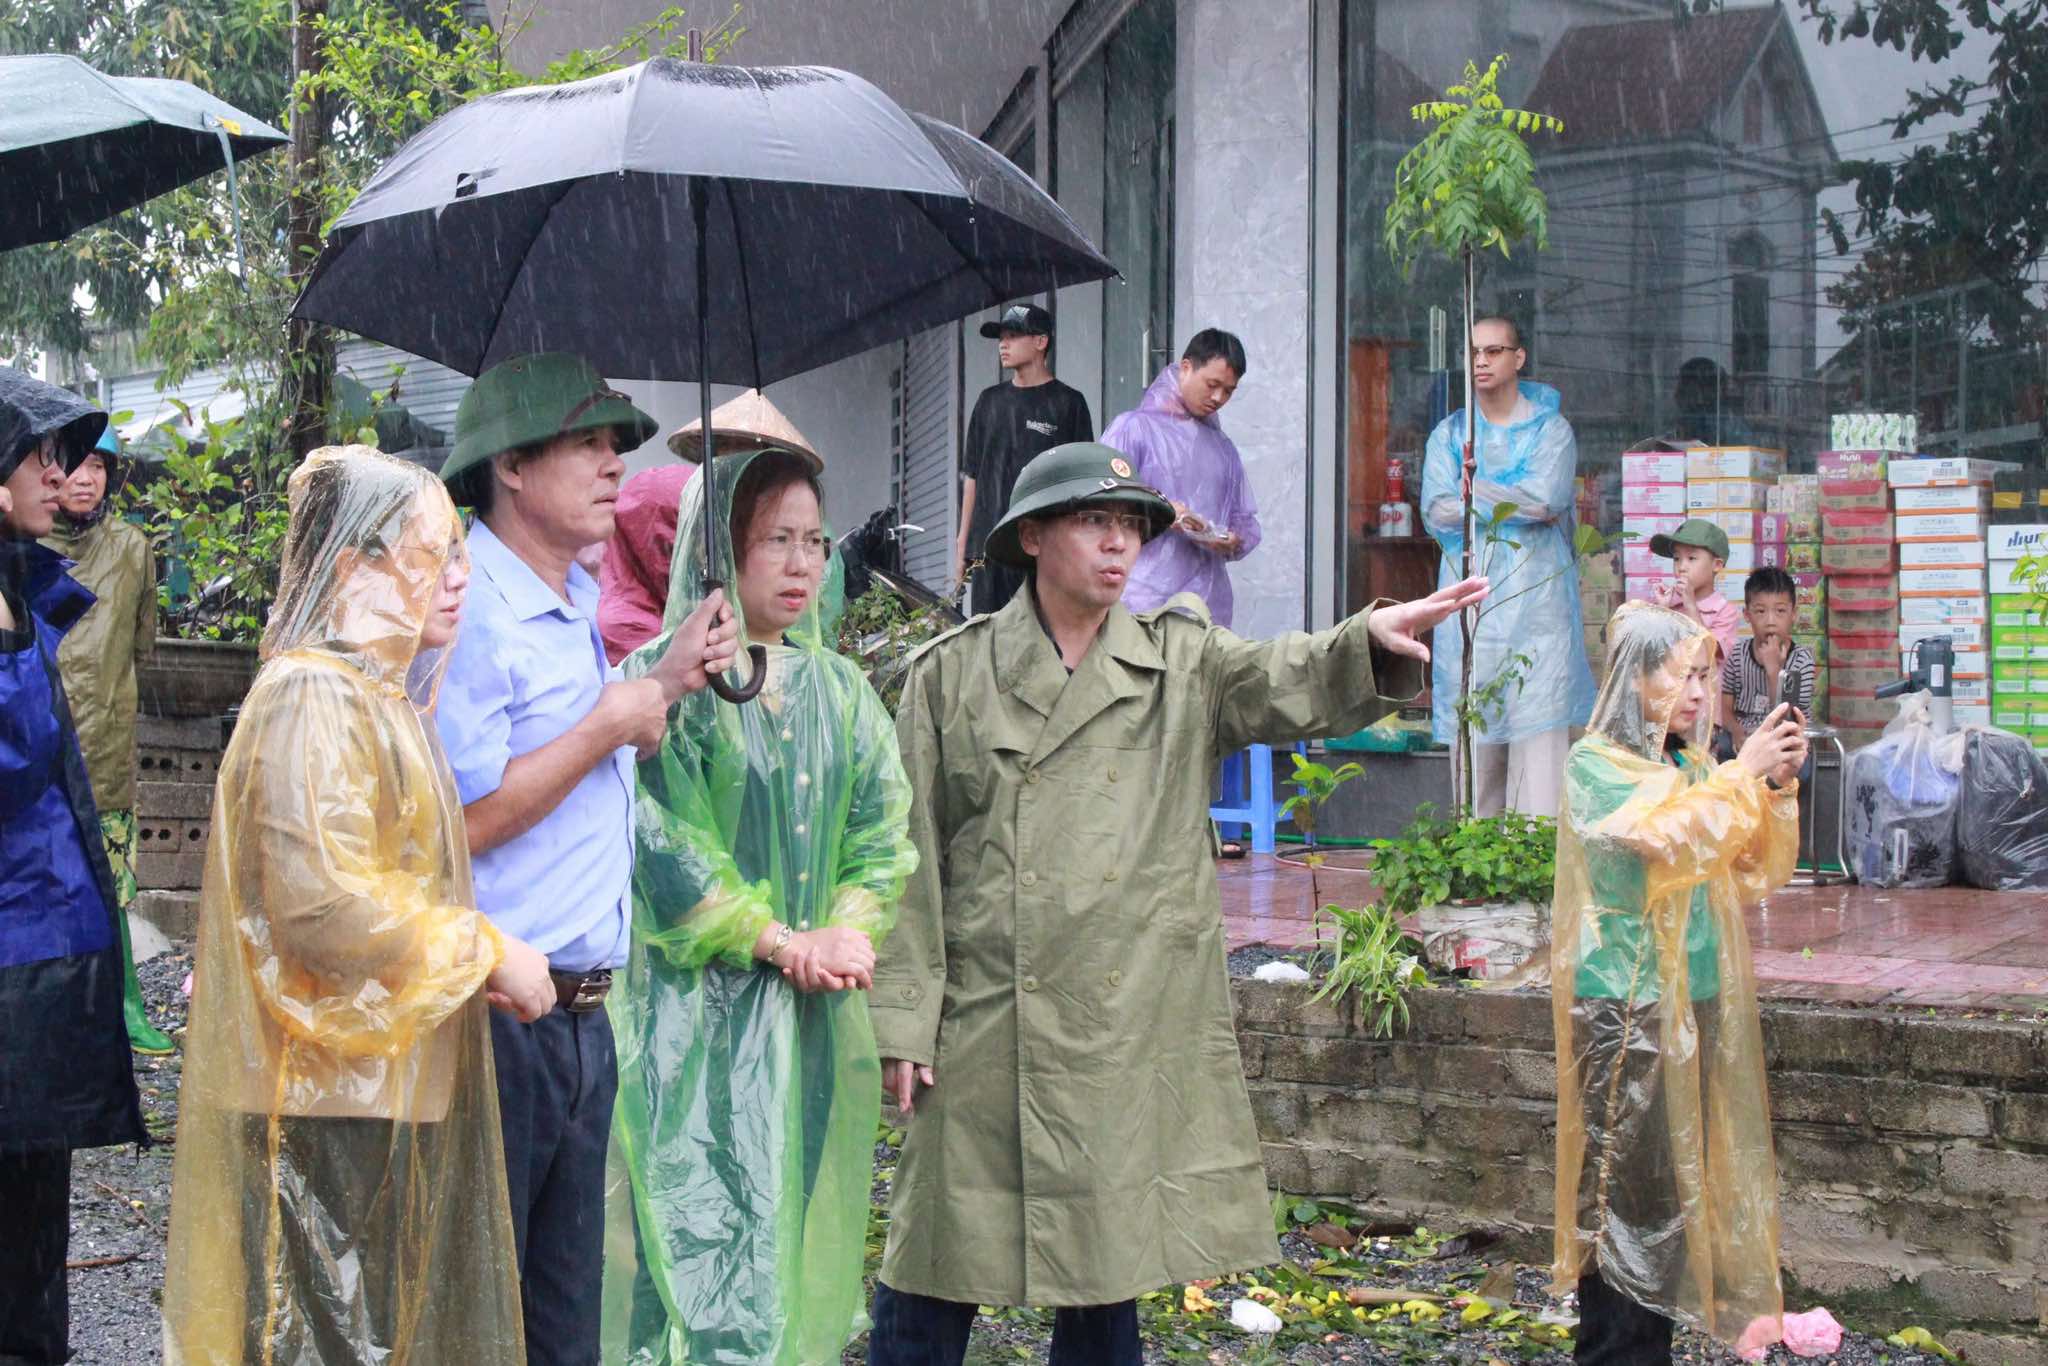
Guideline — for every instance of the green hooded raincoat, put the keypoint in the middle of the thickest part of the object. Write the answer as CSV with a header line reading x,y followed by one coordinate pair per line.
x,y
743,1148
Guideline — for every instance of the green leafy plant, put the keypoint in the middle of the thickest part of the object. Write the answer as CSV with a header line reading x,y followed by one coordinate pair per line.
x,y
1367,955
1510,857
1373,959
205,517
1469,186
1314,784
880,631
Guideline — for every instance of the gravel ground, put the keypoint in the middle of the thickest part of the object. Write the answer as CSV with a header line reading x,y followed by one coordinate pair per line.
x,y
1384,1259
121,1200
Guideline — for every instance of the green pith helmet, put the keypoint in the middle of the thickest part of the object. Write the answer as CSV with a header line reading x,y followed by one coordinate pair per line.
x,y
536,398
1697,532
1066,476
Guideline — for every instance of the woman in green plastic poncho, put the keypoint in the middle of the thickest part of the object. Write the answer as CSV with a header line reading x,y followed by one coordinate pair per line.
x,y
772,845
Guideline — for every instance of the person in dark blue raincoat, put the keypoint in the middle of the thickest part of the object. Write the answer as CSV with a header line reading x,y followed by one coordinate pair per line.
x,y
65,1081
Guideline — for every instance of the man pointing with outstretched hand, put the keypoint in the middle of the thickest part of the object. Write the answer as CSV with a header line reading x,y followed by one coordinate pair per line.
x,y
1054,1005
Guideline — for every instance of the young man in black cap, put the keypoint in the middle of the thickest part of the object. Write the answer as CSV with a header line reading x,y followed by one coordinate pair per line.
x,y
1012,422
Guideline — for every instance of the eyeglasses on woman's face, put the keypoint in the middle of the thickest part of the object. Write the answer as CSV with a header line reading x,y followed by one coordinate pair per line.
x,y
816,547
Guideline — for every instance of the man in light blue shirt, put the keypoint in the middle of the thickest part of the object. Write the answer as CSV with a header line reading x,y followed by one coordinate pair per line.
x,y
541,737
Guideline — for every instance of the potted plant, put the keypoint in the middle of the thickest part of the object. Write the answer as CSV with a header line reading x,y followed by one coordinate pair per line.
x,y
1469,186
1368,956
1479,887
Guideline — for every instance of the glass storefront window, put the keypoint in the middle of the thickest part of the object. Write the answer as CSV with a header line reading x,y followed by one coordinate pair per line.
x,y
1137,83
1693,289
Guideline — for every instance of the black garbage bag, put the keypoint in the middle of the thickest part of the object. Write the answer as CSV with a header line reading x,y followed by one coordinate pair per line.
x,y
2002,813
1901,799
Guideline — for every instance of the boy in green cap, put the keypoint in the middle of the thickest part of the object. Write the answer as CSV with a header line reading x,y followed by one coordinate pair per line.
x,y
1698,552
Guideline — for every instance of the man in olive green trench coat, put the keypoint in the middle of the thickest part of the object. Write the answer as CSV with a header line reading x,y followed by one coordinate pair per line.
x,y
1056,981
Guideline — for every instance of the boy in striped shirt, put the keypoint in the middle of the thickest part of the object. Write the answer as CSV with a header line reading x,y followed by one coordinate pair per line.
x,y
1752,675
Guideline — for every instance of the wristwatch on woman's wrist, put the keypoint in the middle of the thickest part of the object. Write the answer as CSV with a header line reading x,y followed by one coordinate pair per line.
x,y
783,934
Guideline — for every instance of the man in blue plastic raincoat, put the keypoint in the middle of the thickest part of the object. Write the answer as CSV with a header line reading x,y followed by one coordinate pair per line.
x,y
1529,633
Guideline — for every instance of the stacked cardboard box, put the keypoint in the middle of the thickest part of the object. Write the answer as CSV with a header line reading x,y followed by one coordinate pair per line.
x,y
1790,539
2017,633
1653,498
1859,560
1943,511
1600,593
1728,485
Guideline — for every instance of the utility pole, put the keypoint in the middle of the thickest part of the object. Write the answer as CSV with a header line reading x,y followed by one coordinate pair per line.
x,y
309,350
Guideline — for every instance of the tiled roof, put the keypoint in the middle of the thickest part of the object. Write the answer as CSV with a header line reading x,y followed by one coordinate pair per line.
x,y
1648,79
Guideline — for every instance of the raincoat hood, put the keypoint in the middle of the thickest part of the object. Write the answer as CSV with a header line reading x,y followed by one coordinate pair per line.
x,y
1545,398
1162,396
1650,649
792,808
340,1175
31,410
633,581
1666,1182
817,628
369,539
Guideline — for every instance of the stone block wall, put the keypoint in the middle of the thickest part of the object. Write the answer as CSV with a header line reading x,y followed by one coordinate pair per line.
x,y
177,759
1912,1151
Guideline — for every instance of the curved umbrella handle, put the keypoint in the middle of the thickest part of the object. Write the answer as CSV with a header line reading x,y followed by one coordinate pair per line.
x,y
747,691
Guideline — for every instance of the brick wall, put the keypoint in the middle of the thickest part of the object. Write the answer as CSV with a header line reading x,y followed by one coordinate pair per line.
x,y
1912,1151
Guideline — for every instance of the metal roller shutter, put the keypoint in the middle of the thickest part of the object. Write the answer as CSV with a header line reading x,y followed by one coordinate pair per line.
x,y
928,453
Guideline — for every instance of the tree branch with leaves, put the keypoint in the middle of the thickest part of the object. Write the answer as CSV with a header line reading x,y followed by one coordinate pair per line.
x,y
1469,186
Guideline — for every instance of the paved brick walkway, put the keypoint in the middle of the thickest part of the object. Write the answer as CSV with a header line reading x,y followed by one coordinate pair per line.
x,y
1851,945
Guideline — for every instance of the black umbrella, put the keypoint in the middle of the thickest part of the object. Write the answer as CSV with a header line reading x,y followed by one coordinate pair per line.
x,y
77,146
616,217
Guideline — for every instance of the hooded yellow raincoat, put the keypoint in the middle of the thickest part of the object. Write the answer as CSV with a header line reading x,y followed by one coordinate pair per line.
x,y
339,1190
743,1149
1666,1184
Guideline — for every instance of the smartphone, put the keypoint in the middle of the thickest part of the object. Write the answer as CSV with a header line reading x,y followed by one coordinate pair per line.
x,y
1787,680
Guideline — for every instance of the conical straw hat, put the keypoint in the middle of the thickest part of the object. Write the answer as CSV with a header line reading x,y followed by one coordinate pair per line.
x,y
746,423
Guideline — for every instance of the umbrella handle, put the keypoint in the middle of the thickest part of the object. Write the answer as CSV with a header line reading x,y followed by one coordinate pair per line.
x,y
747,691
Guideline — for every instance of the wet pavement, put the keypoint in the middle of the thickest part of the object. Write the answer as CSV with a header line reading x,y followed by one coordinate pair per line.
x,y
1849,945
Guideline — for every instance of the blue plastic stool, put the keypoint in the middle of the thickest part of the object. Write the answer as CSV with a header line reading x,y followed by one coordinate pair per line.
x,y
1257,814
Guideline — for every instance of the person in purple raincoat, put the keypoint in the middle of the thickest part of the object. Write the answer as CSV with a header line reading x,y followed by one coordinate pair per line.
x,y
1175,444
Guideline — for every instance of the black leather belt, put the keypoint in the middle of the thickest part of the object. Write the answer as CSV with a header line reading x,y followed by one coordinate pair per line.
x,y
582,991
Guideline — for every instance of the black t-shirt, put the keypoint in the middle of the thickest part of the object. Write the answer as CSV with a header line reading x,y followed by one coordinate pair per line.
x,y
1010,425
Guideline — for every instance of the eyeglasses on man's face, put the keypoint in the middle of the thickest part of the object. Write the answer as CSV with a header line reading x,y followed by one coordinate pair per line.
x,y
1494,352
1098,521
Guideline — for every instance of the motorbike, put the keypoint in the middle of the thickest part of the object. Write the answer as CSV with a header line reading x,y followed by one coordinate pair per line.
x,y
882,634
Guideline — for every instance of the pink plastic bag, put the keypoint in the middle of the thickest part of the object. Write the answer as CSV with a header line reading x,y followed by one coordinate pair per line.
x,y
1812,1334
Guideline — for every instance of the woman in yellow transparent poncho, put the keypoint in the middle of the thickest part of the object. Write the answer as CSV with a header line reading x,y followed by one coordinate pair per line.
x,y
339,1188
1666,1185
772,845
